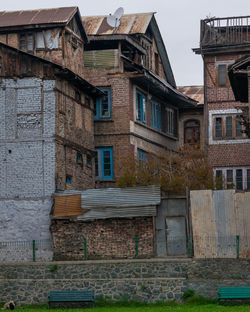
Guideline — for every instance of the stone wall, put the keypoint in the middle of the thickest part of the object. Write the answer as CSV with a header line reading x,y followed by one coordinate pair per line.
x,y
109,238
145,280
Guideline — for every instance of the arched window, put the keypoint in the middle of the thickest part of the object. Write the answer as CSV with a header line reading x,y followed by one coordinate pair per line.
x,y
192,132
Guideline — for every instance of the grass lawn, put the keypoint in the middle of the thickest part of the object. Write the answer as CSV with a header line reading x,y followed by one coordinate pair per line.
x,y
148,308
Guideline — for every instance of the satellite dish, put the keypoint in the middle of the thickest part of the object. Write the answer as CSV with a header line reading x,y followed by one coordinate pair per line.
x,y
114,20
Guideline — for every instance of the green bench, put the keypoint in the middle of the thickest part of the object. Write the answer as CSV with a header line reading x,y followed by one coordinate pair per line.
x,y
71,296
238,293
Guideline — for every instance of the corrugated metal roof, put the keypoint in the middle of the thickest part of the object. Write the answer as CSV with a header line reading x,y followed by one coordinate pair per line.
x,y
118,212
194,92
32,17
119,202
129,24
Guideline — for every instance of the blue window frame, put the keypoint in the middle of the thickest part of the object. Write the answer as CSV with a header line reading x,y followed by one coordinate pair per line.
x,y
140,107
68,179
142,158
104,163
156,115
103,105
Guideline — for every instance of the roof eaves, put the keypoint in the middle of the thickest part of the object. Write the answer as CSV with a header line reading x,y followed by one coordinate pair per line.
x,y
74,78
79,18
174,90
163,52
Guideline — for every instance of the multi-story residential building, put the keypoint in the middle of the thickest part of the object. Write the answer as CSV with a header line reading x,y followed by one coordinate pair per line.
x,y
140,111
223,41
46,119
56,34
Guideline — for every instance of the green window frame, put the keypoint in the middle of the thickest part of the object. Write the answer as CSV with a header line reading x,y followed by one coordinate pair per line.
x,y
141,107
103,105
156,115
104,163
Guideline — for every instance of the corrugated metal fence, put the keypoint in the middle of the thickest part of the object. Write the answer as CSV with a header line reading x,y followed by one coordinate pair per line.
x,y
221,223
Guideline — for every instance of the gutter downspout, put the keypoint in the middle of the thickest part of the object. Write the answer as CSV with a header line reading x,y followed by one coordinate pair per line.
x,y
205,117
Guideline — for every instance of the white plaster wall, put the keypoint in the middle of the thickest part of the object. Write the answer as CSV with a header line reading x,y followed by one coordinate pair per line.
x,y
27,158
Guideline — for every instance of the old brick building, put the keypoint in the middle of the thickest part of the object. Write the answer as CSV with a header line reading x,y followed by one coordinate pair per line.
x,y
140,111
46,122
223,41
239,75
56,34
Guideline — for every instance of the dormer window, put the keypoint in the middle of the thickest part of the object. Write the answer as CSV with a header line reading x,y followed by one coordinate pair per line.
x,y
156,63
74,42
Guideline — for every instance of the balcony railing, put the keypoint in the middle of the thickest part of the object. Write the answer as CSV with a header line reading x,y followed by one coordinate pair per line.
x,y
225,31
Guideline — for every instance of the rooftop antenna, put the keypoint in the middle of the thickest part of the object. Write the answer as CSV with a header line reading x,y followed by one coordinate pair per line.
x,y
114,20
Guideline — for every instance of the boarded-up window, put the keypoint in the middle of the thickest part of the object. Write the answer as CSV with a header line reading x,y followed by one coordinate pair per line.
x,y
222,75
192,132
67,205
26,42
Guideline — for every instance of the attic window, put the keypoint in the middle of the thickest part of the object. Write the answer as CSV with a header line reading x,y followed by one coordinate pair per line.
x,y
26,42
77,96
156,63
87,101
74,42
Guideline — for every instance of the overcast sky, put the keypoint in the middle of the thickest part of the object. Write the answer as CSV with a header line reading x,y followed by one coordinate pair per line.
x,y
178,20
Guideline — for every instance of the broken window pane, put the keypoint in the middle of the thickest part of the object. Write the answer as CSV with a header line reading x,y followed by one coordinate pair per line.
x,y
192,132
40,40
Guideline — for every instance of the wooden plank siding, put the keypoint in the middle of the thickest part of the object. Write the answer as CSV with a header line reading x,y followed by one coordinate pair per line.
x,y
67,205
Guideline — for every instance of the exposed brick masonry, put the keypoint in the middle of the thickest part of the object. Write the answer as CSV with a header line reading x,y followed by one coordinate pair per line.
x,y
110,238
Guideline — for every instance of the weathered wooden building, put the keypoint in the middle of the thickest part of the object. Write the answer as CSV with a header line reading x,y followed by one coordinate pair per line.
x,y
56,34
140,111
